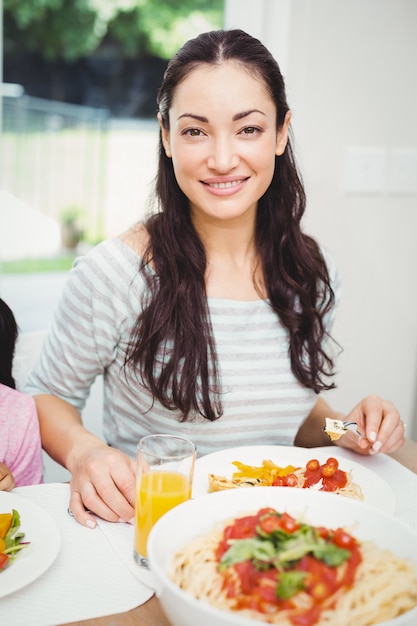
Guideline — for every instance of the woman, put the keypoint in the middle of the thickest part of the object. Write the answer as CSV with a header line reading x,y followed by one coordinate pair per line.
x,y
20,444
212,318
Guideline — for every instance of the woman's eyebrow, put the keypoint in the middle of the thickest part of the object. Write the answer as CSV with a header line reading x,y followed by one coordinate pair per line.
x,y
239,116
235,118
200,118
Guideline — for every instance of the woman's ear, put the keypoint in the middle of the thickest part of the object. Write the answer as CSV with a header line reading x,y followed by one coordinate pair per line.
x,y
165,137
282,135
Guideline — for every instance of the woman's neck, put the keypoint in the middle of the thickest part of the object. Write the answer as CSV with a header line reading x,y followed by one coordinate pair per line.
x,y
233,268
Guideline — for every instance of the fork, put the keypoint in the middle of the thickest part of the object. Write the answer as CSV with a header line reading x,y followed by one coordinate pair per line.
x,y
345,426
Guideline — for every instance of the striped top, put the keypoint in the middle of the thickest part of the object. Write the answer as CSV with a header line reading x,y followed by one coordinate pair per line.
x,y
262,400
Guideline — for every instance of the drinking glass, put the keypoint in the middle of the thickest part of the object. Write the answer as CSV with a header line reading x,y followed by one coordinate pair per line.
x,y
165,472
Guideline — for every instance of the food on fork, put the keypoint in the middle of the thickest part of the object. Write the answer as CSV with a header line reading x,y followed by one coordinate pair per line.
x,y
334,429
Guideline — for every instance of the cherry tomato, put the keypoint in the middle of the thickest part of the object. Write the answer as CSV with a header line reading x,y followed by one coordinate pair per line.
x,y
279,481
328,470
288,523
270,523
342,539
312,465
291,480
3,560
332,462
265,510
322,531
320,591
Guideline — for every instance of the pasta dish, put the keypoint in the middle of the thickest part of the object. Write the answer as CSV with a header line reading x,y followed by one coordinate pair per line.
x,y
274,568
327,476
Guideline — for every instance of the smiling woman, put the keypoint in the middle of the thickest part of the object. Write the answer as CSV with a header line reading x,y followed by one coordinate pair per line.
x,y
219,150
212,318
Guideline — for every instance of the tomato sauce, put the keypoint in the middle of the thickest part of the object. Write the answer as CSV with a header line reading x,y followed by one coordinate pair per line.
x,y
256,587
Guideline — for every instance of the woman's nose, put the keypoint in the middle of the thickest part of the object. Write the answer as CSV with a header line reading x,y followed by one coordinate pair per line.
x,y
223,157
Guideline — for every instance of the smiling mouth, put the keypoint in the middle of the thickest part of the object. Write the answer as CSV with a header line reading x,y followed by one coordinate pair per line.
x,y
226,185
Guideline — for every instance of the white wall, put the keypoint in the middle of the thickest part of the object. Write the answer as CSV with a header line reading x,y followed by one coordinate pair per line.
x,y
350,69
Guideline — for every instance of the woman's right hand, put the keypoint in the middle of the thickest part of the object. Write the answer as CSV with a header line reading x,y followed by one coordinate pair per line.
x,y
102,482
103,479
7,482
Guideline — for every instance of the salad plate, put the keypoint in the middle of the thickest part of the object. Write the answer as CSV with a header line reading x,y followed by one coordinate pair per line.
x,y
376,491
43,535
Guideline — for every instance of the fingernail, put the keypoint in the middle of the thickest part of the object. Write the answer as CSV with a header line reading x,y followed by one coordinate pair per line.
x,y
377,446
372,436
90,523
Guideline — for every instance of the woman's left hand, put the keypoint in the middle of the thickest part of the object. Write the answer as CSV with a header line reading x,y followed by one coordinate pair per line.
x,y
380,425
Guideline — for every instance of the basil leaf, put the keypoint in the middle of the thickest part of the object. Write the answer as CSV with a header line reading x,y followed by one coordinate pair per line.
x,y
241,550
331,555
289,584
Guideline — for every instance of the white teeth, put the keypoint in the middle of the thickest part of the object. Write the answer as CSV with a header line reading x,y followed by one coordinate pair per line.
x,y
227,185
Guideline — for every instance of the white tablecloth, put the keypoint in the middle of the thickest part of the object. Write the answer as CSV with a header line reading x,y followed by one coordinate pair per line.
x,y
95,575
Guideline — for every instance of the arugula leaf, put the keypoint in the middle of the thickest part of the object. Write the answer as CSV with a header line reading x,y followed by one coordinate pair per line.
x,y
331,555
289,584
245,550
281,549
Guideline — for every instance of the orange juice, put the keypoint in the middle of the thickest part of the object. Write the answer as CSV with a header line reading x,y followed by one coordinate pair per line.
x,y
157,493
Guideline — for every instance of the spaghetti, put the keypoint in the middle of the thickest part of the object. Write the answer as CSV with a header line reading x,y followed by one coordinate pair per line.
x,y
251,566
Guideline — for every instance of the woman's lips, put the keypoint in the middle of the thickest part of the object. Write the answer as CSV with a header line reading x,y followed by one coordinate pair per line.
x,y
224,187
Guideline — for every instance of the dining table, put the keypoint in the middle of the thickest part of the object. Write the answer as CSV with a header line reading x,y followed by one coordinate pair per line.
x,y
95,581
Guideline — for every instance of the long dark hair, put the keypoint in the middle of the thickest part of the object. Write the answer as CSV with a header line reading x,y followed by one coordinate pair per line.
x,y
172,343
8,338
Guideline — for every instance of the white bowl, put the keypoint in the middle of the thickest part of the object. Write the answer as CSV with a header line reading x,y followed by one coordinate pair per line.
x,y
198,516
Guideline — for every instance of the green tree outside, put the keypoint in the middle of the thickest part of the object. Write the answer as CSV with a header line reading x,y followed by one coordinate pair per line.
x,y
71,29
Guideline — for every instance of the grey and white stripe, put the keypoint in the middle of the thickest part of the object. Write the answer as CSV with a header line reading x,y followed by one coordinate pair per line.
x,y
263,402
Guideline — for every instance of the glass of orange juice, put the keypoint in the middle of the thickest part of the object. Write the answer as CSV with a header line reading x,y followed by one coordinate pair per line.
x,y
164,479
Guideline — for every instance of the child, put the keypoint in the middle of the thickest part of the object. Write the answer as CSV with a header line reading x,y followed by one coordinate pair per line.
x,y
20,446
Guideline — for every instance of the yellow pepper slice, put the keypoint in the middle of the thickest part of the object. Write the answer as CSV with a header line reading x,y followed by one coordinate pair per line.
x,y
267,472
5,523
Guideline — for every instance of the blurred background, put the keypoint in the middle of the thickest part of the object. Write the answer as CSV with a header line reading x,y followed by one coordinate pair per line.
x,y
78,143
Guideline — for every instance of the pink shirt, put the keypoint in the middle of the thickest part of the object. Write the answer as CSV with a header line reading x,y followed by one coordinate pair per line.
x,y
20,443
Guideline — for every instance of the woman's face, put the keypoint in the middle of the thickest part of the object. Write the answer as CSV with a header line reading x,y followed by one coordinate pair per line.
x,y
223,140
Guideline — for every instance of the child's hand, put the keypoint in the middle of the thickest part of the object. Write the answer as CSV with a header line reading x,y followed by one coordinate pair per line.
x,y
6,478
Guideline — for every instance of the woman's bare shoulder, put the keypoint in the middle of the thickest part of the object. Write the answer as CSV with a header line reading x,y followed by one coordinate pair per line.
x,y
137,238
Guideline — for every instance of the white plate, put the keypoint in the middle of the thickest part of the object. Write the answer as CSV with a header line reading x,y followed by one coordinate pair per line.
x,y
375,490
45,542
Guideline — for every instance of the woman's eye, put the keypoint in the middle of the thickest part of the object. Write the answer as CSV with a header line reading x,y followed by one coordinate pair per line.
x,y
250,130
192,132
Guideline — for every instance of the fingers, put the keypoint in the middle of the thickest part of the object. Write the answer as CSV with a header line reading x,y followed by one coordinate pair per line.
x,y
76,509
354,442
7,482
107,494
391,440
380,423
